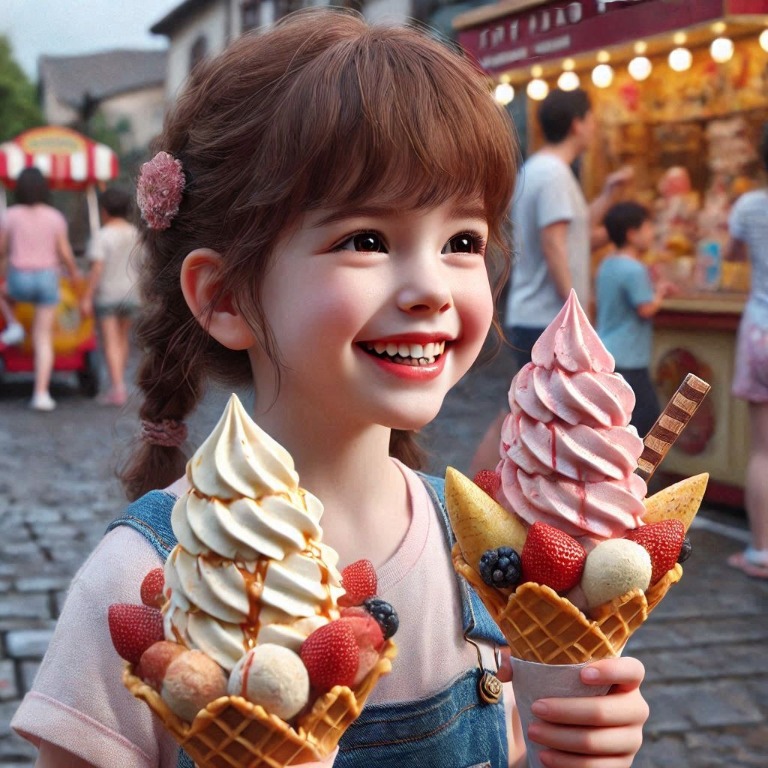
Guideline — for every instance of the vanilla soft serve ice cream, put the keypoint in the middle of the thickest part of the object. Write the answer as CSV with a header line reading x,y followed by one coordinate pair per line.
x,y
249,567
568,453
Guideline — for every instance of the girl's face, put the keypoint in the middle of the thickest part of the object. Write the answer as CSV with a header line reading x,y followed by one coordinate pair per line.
x,y
375,313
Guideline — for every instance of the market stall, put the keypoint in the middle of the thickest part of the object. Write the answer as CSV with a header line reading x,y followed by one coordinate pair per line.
x,y
67,159
680,93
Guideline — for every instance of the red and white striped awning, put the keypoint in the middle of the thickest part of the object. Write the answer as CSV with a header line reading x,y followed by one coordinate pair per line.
x,y
66,158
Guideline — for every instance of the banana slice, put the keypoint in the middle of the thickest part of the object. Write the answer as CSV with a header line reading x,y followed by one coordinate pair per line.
x,y
478,521
680,501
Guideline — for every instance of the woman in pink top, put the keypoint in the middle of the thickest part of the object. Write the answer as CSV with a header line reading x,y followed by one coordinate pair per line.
x,y
34,240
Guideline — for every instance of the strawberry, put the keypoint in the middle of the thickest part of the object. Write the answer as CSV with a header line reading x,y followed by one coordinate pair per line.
x,y
134,628
663,542
552,557
155,661
368,632
354,610
359,580
370,640
489,481
152,588
331,655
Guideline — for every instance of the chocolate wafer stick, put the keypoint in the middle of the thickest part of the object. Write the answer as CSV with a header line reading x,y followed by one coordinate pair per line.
x,y
671,423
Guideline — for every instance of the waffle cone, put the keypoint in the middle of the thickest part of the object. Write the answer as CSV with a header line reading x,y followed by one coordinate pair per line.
x,y
540,625
233,733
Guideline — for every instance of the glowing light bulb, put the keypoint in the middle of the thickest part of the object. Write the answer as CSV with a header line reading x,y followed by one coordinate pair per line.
x,y
640,67
721,49
763,39
603,57
568,81
602,75
680,59
640,47
537,89
504,93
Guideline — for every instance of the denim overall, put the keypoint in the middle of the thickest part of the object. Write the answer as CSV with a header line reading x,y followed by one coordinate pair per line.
x,y
452,729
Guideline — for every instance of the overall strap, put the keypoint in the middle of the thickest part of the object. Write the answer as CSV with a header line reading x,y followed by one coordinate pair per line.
x,y
150,515
476,620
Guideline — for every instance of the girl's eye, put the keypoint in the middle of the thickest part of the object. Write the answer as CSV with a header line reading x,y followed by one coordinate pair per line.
x,y
466,242
366,242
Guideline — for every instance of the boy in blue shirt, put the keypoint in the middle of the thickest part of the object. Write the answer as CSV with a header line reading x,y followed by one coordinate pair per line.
x,y
626,302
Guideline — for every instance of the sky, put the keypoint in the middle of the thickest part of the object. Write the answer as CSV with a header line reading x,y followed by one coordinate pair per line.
x,y
68,27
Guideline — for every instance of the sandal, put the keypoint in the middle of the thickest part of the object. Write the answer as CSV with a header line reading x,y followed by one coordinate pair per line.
x,y
751,562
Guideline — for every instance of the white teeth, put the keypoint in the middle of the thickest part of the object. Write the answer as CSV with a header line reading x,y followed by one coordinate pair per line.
x,y
417,353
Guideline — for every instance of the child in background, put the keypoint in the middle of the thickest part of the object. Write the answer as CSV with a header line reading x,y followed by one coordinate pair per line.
x,y
626,302
321,222
112,286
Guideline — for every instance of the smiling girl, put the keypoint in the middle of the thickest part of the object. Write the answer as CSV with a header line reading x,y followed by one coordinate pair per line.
x,y
343,197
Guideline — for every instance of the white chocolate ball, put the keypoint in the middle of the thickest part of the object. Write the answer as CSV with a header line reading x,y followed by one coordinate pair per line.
x,y
613,568
274,677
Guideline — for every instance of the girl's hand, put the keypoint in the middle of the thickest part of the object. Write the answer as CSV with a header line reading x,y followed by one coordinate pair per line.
x,y
597,732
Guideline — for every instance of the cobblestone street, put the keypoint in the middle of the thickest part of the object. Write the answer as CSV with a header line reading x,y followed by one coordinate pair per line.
x,y
704,648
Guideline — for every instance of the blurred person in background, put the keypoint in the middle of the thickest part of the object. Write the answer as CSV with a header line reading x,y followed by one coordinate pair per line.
x,y
33,244
748,229
112,291
626,301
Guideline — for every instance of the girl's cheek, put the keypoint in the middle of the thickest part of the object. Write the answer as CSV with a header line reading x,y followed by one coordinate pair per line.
x,y
476,309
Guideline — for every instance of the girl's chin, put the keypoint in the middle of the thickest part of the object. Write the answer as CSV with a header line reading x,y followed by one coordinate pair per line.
x,y
413,419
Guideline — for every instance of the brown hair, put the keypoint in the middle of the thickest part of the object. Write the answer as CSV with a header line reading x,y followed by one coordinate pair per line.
x,y
321,110
32,187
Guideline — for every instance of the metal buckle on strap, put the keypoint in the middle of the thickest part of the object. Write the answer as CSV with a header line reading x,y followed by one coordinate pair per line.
x,y
488,686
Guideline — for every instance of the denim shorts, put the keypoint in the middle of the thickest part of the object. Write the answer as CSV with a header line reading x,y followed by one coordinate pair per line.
x,y
36,286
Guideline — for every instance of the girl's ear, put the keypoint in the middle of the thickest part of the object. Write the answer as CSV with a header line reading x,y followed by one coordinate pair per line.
x,y
216,313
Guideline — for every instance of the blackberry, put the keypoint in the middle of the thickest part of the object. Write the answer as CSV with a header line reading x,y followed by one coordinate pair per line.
x,y
685,550
500,567
384,613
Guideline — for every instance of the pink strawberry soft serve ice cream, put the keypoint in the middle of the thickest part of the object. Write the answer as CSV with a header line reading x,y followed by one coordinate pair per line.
x,y
250,567
568,453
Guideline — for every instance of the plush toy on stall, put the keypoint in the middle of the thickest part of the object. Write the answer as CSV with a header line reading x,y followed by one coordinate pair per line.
x,y
676,213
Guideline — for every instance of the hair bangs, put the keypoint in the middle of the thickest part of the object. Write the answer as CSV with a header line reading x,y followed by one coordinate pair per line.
x,y
401,129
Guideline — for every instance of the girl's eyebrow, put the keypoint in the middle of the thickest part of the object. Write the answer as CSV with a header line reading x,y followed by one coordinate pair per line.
x,y
352,213
463,210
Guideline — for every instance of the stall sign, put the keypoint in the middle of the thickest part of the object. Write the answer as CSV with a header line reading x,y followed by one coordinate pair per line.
x,y
66,158
553,29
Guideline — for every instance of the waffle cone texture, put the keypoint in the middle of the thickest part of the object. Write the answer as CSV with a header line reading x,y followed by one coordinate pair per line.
x,y
540,625
233,733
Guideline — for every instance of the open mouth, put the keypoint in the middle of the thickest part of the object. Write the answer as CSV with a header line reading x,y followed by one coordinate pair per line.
x,y
406,354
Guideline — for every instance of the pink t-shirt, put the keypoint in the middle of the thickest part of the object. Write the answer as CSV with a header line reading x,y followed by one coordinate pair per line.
x,y
32,233
78,701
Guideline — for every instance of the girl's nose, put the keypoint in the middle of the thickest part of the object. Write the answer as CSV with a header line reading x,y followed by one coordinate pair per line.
x,y
424,287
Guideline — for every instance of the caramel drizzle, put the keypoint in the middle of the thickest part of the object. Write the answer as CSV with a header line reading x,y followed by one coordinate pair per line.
x,y
673,419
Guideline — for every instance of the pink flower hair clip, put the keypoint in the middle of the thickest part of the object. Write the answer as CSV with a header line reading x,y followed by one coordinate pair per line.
x,y
159,189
